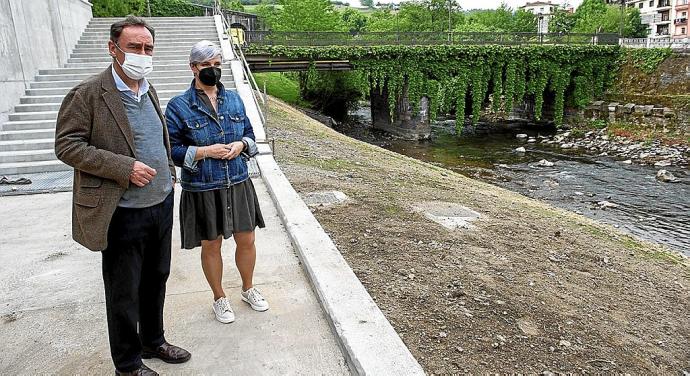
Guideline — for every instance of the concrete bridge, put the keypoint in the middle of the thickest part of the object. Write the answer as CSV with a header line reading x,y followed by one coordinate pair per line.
x,y
269,51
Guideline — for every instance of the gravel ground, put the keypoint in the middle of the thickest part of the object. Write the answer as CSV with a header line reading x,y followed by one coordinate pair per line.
x,y
530,289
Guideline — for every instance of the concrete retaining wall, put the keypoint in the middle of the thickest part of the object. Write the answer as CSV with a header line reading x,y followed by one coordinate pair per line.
x,y
35,34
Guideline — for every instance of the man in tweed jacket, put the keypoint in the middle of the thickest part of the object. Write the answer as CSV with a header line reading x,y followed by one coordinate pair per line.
x,y
110,128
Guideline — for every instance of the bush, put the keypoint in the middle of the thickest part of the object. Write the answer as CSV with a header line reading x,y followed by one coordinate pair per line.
x,y
159,8
174,8
118,8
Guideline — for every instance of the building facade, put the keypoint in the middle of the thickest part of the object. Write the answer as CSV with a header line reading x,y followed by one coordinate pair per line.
x,y
543,10
658,15
680,20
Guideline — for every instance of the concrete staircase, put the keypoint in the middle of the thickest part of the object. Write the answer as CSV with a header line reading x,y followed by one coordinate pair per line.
x,y
27,139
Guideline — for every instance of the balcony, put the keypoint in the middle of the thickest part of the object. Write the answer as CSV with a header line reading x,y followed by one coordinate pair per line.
x,y
680,21
664,4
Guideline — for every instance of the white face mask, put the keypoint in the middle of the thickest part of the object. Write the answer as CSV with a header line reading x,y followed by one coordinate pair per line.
x,y
136,66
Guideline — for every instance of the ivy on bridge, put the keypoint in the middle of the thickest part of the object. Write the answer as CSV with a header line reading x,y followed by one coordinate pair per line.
x,y
457,76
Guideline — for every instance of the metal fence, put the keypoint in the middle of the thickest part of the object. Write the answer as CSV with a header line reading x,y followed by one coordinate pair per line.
x,y
682,45
290,38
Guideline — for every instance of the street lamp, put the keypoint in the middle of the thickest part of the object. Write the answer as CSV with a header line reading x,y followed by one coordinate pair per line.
x,y
622,25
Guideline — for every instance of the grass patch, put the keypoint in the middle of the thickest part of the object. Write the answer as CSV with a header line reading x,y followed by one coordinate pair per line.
x,y
664,256
335,165
281,86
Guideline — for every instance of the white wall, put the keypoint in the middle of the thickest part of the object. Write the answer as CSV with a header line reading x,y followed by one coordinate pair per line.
x,y
35,34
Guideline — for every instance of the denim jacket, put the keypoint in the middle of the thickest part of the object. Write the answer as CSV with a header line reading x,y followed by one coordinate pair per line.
x,y
191,125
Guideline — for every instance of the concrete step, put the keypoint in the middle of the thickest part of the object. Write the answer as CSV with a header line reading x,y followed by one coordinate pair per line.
x,y
18,156
107,59
156,25
160,31
53,108
155,75
26,116
94,68
26,125
155,19
23,145
89,49
103,52
158,66
154,80
29,134
36,107
159,38
161,89
20,168
184,43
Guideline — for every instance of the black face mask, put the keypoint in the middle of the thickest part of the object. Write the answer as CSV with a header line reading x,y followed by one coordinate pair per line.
x,y
210,76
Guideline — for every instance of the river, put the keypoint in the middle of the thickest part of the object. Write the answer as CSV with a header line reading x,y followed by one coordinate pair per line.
x,y
625,196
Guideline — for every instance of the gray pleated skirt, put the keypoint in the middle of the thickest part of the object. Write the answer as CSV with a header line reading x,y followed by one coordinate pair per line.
x,y
208,215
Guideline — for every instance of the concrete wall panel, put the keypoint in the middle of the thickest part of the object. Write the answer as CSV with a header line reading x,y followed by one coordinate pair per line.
x,y
36,34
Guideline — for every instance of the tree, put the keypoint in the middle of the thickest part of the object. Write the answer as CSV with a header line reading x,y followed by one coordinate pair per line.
x,y
562,21
524,22
232,5
594,16
367,3
118,8
354,20
307,15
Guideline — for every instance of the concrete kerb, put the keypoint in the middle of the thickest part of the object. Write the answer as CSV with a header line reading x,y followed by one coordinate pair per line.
x,y
369,342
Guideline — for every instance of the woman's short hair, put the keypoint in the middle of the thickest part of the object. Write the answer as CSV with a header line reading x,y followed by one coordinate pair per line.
x,y
203,51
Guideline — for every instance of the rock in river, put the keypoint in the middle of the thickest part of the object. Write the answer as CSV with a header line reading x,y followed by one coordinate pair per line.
x,y
544,163
666,177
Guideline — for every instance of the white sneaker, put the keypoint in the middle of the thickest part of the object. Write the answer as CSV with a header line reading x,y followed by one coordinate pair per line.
x,y
255,300
224,313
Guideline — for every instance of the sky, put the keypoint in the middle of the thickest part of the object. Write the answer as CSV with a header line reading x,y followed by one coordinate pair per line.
x,y
479,4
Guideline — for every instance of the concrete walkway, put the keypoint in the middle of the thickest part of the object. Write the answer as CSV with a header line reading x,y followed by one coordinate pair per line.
x,y
52,312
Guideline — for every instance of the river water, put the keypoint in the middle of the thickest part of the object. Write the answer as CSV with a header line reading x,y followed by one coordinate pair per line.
x,y
626,196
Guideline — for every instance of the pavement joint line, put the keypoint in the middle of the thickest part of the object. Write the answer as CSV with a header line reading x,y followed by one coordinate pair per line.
x,y
99,302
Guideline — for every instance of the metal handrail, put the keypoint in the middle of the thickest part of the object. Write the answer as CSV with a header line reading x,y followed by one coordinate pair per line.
x,y
218,10
423,38
252,82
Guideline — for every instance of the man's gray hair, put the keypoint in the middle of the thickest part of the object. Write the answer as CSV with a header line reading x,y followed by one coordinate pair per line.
x,y
203,52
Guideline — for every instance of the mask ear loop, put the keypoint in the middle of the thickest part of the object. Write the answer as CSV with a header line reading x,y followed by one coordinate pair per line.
x,y
115,57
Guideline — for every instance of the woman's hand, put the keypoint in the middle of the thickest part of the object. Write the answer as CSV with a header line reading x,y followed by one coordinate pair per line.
x,y
216,151
235,149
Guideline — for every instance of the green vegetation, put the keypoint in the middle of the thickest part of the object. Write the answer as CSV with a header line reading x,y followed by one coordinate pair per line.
x,y
595,16
454,77
646,59
159,8
281,85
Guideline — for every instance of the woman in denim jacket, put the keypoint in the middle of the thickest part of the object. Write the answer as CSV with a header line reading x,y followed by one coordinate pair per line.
x,y
211,138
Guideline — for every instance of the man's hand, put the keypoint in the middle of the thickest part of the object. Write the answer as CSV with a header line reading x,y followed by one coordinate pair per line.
x,y
141,174
235,149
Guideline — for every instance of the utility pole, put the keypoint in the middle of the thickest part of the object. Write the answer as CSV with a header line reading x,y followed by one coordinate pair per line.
x,y
148,6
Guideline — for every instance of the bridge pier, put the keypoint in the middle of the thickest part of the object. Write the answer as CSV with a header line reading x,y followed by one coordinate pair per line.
x,y
404,123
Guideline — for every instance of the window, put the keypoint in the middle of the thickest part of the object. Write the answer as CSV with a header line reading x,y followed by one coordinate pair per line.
x,y
685,15
682,31
651,3
641,5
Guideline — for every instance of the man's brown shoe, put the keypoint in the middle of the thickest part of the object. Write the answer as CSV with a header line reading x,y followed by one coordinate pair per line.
x,y
167,353
141,371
